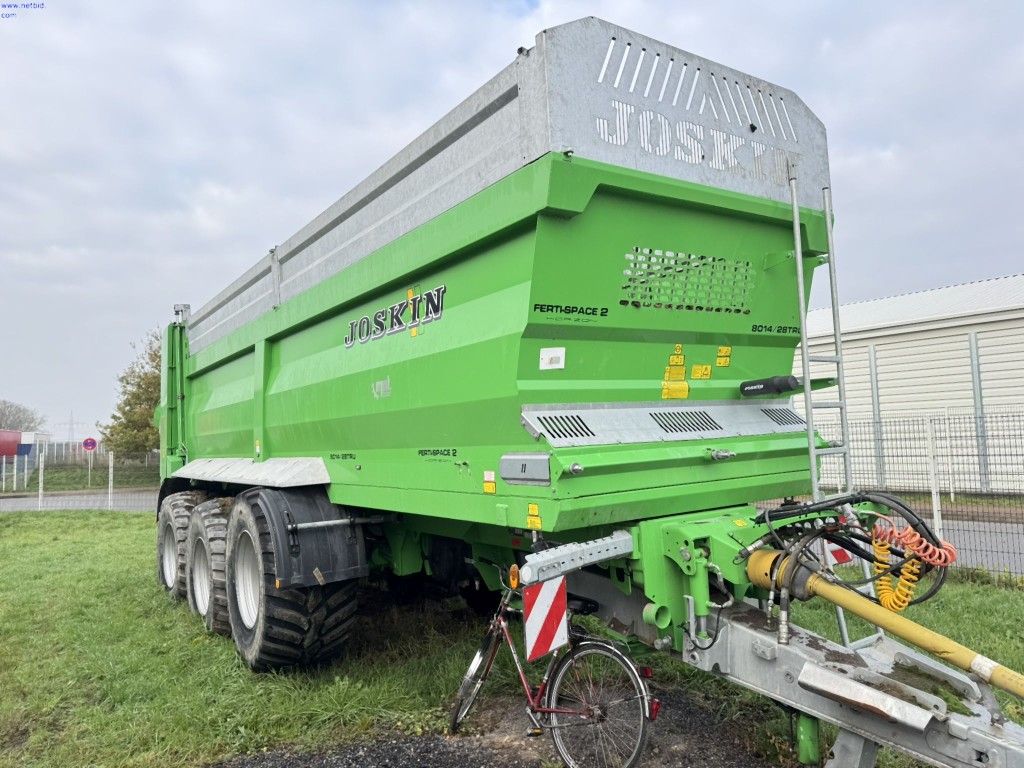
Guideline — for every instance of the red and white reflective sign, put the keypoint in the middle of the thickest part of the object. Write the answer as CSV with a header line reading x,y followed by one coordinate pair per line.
x,y
546,624
837,555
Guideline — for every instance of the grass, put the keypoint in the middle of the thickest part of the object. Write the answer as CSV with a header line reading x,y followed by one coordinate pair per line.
x,y
979,610
76,477
99,667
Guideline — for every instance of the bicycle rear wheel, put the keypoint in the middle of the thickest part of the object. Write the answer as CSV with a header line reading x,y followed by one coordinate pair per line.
x,y
475,676
608,727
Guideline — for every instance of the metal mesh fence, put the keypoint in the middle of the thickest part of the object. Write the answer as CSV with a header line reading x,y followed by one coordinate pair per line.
x,y
80,480
964,473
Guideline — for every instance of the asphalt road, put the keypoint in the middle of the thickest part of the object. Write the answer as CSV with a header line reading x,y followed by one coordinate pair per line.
x,y
121,501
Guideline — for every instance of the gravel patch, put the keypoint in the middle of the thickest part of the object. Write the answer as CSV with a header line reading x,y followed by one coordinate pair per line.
x,y
687,734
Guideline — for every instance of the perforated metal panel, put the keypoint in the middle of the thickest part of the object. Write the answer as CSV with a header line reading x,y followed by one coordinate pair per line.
x,y
785,417
665,279
597,424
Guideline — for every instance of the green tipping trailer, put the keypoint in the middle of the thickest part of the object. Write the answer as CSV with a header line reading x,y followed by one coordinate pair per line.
x,y
564,315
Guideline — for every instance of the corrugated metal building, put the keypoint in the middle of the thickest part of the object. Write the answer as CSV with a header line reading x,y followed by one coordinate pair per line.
x,y
934,386
949,348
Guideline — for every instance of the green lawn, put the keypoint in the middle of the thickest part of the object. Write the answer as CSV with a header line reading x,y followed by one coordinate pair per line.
x,y
99,667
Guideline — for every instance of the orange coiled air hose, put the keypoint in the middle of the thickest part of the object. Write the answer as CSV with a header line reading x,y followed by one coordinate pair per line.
x,y
914,543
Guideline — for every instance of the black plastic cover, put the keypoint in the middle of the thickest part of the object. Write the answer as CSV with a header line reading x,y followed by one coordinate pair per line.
x,y
306,557
776,385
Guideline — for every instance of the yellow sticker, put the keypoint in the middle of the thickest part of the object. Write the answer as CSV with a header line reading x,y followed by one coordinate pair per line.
x,y
674,390
490,488
533,523
723,362
679,349
740,523
415,331
724,351
700,372
676,360
533,510
675,373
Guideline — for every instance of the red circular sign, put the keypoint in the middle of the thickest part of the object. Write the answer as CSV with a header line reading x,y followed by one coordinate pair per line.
x,y
89,444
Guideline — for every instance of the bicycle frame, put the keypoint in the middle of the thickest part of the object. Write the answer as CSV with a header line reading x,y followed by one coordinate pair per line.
x,y
591,685
535,699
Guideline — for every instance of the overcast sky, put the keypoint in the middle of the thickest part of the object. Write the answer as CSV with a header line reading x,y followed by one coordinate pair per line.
x,y
150,152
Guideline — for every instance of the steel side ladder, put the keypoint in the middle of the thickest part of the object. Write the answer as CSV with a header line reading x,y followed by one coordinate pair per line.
x,y
841,448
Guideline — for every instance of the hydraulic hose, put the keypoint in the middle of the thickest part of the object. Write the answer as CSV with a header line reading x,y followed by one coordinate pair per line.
x,y
762,566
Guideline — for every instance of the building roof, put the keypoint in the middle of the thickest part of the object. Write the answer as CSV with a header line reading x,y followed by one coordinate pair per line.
x,y
983,297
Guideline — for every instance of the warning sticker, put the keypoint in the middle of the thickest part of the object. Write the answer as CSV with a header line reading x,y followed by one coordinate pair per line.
x,y
674,386
675,373
675,390
700,372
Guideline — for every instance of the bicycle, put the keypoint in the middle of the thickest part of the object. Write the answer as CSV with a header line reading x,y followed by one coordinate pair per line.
x,y
597,705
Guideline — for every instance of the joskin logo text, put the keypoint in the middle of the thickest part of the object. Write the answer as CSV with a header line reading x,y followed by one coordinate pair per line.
x,y
413,311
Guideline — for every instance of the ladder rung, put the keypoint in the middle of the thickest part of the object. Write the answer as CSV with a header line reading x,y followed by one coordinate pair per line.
x,y
832,451
829,404
823,358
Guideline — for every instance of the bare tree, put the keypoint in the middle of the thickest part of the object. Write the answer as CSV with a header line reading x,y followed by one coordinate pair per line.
x,y
19,418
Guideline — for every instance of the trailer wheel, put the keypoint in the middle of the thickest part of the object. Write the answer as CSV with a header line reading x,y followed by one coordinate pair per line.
x,y
171,531
204,564
275,628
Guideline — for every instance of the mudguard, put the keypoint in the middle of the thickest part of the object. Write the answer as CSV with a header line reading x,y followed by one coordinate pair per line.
x,y
304,556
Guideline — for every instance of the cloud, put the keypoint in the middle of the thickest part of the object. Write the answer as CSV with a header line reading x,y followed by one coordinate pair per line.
x,y
150,153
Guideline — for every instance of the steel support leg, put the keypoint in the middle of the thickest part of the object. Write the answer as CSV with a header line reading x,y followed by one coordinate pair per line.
x,y
852,751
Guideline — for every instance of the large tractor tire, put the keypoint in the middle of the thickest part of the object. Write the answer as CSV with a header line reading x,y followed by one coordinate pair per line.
x,y
171,531
205,549
276,628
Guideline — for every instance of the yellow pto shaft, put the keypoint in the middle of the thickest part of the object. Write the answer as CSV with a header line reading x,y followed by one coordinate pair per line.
x,y
762,566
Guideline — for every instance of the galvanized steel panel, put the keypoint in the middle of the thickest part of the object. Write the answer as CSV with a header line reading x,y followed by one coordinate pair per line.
x,y
589,87
272,473
597,424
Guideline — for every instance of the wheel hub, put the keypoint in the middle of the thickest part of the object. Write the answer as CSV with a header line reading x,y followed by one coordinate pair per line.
x,y
247,580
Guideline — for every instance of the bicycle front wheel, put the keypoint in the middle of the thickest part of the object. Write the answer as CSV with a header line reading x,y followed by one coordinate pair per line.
x,y
475,676
608,725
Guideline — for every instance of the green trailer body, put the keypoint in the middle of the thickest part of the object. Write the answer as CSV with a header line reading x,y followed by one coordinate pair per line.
x,y
531,325
529,301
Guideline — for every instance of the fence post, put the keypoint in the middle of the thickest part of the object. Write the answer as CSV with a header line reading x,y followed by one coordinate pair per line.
x,y
876,412
24,485
3,474
41,467
980,431
933,481
110,479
